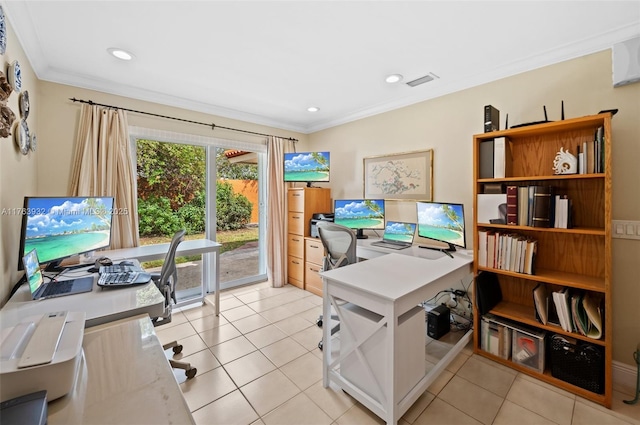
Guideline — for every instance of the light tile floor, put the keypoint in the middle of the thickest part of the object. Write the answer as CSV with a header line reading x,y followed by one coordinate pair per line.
x,y
258,363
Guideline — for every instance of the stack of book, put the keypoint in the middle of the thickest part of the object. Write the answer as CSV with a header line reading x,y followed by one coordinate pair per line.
x,y
506,251
591,154
534,206
573,310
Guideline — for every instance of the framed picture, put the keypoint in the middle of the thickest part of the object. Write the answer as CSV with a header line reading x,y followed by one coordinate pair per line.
x,y
406,175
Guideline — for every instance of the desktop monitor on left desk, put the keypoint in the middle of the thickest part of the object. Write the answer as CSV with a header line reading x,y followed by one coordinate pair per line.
x,y
61,227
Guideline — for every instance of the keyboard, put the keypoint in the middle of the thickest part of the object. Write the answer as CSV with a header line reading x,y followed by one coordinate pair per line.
x,y
119,268
56,288
390,245
123,279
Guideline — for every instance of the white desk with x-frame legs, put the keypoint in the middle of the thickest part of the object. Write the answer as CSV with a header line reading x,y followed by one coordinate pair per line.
x,y
374,300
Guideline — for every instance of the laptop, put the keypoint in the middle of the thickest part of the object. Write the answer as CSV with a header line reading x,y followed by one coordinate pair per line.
x,y
397,235
39,289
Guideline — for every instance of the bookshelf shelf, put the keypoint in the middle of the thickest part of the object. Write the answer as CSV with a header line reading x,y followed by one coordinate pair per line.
x,y
577,258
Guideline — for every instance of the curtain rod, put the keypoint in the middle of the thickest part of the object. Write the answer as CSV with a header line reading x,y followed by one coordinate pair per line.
x,y
213,126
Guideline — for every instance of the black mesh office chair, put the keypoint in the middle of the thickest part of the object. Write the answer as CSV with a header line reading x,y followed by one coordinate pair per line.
x,y
166,282
340,245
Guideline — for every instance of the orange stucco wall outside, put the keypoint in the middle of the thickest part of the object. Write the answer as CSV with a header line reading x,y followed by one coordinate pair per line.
x,y
248,188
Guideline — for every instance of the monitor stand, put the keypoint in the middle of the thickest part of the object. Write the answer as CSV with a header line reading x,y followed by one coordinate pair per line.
x,y
447,251
360,234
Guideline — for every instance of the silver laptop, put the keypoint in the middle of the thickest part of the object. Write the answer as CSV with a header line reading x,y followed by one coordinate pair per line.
x,y
39,289
397,235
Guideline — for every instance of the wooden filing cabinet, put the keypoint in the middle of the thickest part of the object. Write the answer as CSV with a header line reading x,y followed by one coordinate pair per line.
x,y
313,255
302,203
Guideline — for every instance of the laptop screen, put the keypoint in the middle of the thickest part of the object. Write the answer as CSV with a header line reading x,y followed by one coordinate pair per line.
x,y
399,232
32,271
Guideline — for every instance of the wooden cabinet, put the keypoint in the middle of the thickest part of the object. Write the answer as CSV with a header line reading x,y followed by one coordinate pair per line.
x,y
313,255
302,203
578,258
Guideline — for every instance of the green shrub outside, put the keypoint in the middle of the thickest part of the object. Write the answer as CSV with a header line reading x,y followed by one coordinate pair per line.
x,y
156,218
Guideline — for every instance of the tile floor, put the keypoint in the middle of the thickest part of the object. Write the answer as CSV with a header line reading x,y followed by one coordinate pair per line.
x,y
258,363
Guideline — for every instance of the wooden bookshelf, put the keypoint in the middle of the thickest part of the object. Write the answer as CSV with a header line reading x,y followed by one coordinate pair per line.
x,y
578,258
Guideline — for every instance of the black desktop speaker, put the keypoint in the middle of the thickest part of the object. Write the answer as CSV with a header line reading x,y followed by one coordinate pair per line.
x,y
438,321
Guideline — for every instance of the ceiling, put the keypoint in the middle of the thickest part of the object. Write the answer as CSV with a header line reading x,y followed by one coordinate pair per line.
x,y
267,61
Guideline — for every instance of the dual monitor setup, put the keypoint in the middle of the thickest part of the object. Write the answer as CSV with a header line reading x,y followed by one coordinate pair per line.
x,y
442,222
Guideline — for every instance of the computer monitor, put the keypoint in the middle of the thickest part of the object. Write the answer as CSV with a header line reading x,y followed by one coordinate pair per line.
x,y
60,227
443,222
306,167
359,214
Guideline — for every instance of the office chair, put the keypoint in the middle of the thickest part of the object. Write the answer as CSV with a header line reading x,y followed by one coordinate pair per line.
x,y
166,282
340,245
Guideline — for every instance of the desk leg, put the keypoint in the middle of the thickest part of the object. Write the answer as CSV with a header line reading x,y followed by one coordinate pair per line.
x,y
216,257
326,333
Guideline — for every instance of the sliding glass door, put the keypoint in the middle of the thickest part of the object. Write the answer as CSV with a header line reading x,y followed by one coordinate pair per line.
x,y
214,191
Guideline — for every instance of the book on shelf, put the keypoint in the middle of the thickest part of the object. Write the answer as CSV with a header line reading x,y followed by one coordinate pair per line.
x,y
486,154
482,247
543,208
523,206
508,251
599,150
592,304
512,205
530,257
544,308
562,302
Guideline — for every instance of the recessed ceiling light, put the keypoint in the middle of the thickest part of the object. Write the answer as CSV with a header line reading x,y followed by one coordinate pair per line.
x,y
120,53
313,109
393,78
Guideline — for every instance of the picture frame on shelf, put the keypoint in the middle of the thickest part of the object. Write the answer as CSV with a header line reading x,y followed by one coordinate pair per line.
x,y
401,176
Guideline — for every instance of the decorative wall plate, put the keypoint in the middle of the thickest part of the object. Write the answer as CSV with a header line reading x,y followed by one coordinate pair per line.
x,y
23,104
32,142
3,32
5,87
15,76
7,117
21,136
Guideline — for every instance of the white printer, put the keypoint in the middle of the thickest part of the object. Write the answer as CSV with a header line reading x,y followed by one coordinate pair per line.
x,y
41,353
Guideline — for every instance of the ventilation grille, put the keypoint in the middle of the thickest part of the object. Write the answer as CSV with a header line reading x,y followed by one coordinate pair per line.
x,y
422,80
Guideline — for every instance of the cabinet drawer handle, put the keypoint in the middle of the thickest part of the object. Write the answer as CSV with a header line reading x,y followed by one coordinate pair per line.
x,y
294,262
295,240
314,270
297,217
314,246
296,194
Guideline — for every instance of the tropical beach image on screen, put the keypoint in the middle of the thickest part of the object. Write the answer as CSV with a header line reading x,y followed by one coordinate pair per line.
x,y
360,214
402,232
443,222
60,227
306,167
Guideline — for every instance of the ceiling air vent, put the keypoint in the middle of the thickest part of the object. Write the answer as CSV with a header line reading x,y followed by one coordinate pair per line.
x,y
422,80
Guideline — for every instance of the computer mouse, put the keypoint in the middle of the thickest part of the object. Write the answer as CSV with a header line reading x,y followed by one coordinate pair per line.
x,y
126,263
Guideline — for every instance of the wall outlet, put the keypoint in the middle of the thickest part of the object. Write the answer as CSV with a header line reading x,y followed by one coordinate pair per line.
x,y
625,229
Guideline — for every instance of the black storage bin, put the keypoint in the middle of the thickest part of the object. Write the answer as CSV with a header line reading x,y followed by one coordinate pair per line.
x,y
577,362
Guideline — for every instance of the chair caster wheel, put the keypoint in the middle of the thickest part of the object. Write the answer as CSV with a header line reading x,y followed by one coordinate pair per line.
x,y
191,372
320,345
177,349
319,323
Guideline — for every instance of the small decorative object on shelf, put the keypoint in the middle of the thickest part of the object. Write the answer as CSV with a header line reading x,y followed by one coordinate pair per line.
x,y
565,163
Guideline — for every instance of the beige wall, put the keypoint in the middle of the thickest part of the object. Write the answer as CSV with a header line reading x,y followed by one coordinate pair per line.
x,y
18,173
447,124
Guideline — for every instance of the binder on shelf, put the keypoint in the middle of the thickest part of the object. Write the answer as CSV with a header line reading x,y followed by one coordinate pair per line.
x,y
486,159
523,205
512,205
482,247
488,292
592,307
542,215
502,157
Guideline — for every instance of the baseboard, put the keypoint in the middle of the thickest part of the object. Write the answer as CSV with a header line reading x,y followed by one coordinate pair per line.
x,y
625,377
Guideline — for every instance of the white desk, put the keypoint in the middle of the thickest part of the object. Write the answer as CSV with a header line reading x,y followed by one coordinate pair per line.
x,y
100,305
124,378
389,284
159,251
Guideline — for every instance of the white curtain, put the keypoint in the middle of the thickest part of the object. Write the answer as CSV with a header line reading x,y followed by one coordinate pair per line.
x,y
102,166
277,211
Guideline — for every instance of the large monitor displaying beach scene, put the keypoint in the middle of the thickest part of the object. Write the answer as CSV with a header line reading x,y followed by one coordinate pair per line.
x,y
309,167
442,222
